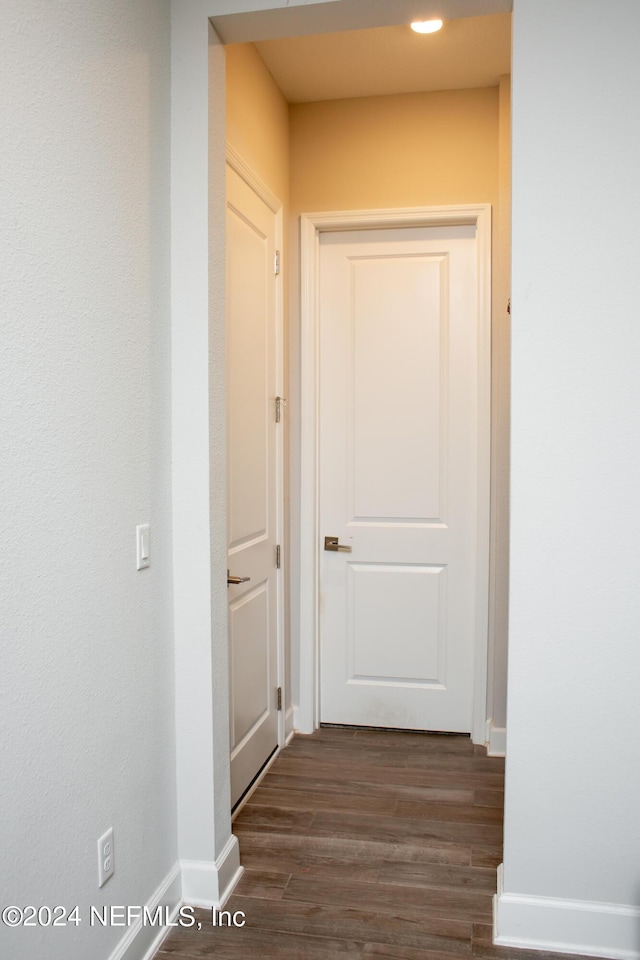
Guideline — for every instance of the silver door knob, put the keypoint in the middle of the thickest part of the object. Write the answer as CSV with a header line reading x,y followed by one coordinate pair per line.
x,y
233,580
331,543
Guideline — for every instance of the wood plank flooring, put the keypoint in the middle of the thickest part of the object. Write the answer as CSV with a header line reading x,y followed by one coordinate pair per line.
x,y
365,845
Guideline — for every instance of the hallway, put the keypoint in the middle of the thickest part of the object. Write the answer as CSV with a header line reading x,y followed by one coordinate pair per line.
x,y
362,844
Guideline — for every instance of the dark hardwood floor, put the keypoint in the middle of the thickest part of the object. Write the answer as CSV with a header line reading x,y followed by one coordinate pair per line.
x,y
365,844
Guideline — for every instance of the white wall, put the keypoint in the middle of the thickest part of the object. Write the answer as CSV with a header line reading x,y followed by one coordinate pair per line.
x,y
208,851
86,705
573,779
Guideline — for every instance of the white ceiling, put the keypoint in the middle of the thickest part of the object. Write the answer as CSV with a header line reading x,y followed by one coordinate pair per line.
x,y
467,52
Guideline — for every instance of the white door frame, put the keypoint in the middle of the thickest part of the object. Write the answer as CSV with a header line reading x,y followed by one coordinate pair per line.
x,y
237,163
311,226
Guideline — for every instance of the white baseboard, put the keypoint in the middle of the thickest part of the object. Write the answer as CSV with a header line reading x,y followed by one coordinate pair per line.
x,y
141,941
496,740
208,883
198,883
302,720
565,926
296,716
289,724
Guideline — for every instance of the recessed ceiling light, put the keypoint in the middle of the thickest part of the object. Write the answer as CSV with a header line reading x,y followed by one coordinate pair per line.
x,y
426,26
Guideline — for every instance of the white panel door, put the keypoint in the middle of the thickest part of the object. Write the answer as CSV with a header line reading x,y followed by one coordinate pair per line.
x,y
398,476
252,481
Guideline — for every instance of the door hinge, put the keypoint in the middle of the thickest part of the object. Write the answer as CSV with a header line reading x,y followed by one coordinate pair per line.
x,y
280,403
279,698
278,556
276,263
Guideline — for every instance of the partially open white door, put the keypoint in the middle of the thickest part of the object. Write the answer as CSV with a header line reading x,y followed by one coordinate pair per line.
x,y
398,320
252,481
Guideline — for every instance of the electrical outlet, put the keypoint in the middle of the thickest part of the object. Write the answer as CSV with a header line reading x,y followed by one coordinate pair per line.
x,y
105,857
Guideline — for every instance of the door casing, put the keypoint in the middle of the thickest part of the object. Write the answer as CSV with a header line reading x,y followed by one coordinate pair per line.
x,y
306,717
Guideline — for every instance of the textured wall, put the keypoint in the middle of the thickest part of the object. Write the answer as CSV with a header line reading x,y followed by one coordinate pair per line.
x,y
86,702
572,827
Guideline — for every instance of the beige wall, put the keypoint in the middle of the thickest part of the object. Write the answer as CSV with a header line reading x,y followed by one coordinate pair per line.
x,y
257,118
406,150
418,149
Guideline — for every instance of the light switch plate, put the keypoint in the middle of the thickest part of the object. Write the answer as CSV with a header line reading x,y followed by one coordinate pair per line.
x,y
143,546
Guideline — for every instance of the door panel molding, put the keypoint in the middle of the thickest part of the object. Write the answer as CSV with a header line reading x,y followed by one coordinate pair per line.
x,y
312,225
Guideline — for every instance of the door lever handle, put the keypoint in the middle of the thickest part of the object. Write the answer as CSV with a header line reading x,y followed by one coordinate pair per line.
x,y
331,543
234,580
